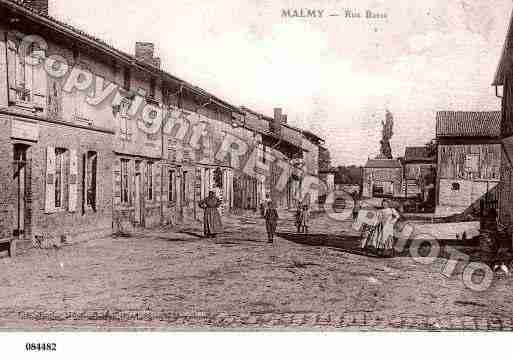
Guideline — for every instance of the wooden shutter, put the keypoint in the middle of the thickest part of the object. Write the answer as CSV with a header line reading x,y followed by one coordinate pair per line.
x,y
28,77
40,83
50,180
11,70
73,181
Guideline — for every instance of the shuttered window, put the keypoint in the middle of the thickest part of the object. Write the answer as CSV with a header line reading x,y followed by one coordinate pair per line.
x,y
124,120
27,77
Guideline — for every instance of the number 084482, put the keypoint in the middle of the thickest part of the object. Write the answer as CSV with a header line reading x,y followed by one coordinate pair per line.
x,y
51,347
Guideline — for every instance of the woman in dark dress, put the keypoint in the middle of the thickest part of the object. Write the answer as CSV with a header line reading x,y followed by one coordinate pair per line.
x,y
211,219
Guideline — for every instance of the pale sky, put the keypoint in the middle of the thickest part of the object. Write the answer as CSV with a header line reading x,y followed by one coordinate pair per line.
x,y
332,75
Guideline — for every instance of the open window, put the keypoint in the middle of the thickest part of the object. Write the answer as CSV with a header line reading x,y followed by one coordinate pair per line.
x,y
59,183
171,186
149,180
218,178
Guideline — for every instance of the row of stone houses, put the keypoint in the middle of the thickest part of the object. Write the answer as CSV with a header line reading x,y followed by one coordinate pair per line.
x,y
77,163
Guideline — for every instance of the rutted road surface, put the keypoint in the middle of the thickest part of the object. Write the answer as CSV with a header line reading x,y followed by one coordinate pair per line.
x,y
175,279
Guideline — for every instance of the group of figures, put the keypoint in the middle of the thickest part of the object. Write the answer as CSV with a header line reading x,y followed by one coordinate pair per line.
x,y
270,214
212,224
377,235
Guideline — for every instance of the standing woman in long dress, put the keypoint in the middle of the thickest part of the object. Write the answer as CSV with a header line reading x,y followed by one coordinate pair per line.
x,y
271,221
211,218
382,240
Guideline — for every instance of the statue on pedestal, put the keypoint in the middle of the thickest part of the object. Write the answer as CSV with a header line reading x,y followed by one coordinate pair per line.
x,y
386,134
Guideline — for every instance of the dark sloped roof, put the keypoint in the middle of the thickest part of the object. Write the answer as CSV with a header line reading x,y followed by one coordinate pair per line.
x,y
328,170
418,154
379,163
47,20
22,7
468,124
504,66
312,136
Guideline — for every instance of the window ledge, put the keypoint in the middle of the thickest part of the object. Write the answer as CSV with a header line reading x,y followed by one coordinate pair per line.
x,y
25,105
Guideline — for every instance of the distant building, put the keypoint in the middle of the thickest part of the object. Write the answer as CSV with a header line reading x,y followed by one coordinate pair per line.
x,y
419,171
469,160
328,177
382,178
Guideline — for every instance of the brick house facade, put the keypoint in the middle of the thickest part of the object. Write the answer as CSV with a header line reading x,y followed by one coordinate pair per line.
x,y
55,174
81,160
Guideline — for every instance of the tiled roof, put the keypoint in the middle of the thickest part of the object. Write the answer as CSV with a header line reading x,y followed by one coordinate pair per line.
x,y
379,163
313,136
418,154
73,31
468,124
504,66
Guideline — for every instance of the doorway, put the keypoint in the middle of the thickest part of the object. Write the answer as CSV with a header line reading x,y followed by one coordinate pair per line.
x,y
22,188
137,194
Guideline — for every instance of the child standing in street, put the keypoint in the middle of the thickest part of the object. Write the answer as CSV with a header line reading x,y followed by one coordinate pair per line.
x,y
271,221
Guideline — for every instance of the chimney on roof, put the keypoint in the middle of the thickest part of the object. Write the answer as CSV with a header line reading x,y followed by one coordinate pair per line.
x,y
144,52
40,6
277,114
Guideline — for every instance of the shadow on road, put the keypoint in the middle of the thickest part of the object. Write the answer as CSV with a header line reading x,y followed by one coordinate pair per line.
x,y
351,244
345,243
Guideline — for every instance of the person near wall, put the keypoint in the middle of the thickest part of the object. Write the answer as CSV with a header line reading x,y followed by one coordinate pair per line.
x,y
271,221
212,224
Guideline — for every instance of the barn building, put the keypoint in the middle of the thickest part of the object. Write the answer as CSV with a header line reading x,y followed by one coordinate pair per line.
x,y
469,161
503,83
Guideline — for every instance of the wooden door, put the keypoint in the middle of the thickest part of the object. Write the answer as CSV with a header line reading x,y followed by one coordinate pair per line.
x,y
22,185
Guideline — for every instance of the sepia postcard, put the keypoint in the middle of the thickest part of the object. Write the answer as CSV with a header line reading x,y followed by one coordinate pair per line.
x,y
256,166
